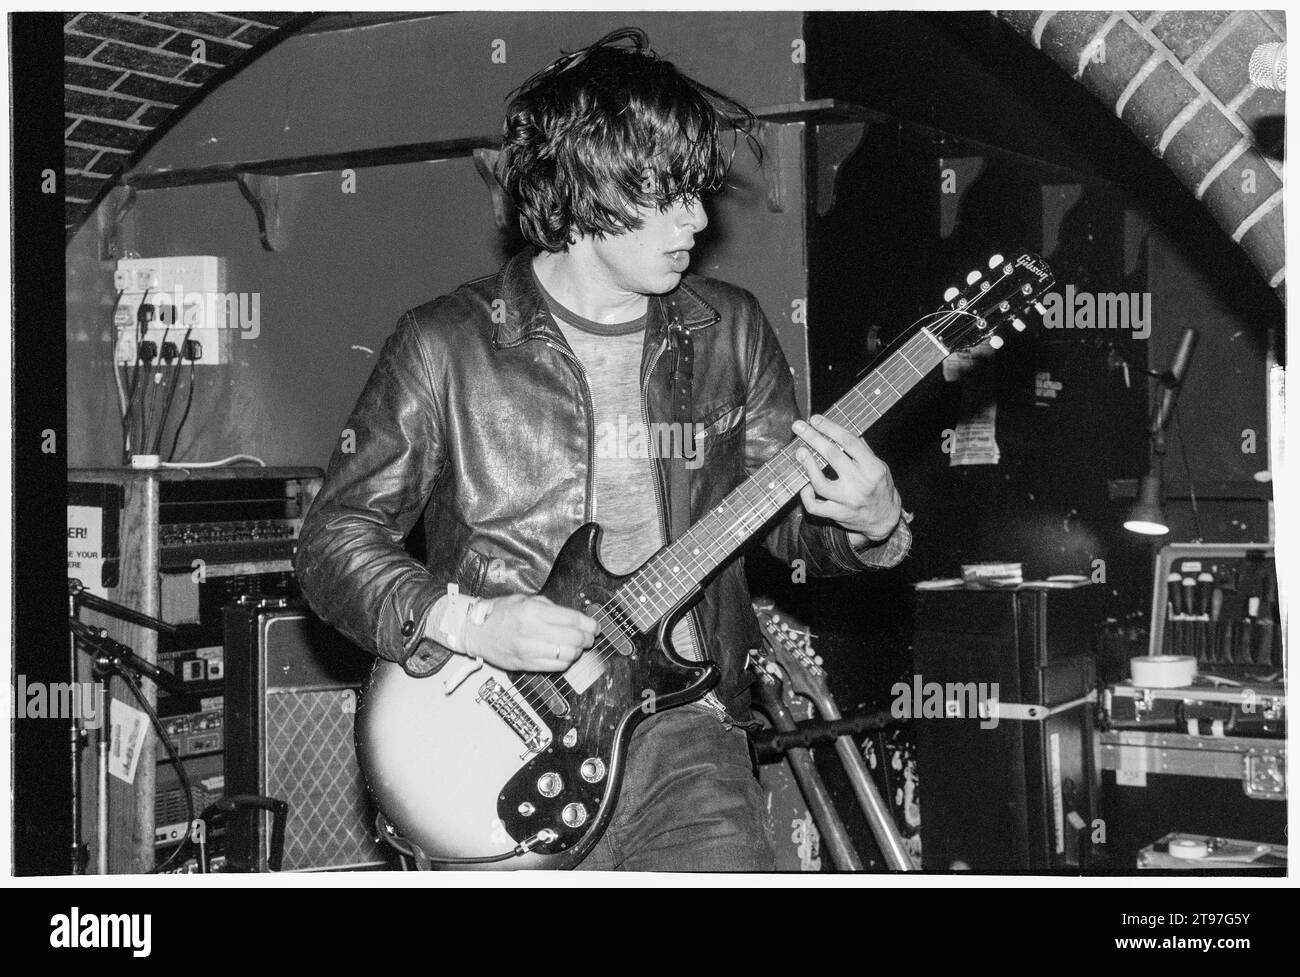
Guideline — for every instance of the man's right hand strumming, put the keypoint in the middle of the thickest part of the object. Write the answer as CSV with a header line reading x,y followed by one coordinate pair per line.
x,y
524,633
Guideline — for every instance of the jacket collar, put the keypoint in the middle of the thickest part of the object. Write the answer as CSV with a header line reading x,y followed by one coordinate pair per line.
x,y
525,315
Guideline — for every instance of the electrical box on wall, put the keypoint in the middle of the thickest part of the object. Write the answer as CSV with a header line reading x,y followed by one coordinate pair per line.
x,y
180,305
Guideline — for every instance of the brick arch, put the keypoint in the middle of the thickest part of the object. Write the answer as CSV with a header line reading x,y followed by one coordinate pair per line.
x,y
1179,80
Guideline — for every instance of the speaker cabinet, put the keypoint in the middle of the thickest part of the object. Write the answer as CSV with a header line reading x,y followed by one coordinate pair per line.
x,y
1018,795
291,695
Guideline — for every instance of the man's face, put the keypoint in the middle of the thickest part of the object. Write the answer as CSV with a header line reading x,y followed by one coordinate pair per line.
x,y
651,259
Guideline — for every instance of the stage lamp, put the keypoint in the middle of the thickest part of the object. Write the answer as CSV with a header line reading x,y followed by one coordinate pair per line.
x,y
1148,513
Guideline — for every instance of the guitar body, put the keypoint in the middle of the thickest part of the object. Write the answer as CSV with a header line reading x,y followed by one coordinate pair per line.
x,y
471,765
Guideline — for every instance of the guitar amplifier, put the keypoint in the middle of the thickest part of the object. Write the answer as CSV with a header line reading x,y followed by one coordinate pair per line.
x,y
291,694
1018,794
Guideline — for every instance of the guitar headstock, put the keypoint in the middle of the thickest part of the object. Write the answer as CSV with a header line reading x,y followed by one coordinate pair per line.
x,y
1004,292
791,646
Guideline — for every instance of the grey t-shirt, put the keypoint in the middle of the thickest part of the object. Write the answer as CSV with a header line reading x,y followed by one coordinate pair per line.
x,y
624,500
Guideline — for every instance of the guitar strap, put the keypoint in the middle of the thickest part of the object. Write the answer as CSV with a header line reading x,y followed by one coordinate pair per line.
x,y
679,476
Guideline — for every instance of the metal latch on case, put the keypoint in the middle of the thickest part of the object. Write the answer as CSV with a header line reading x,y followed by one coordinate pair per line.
x,y
1265,775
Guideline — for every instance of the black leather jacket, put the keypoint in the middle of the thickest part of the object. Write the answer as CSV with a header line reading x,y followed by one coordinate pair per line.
x,y
477,415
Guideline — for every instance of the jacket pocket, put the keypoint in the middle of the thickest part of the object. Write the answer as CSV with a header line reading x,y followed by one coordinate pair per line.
x,y
471,572
724,422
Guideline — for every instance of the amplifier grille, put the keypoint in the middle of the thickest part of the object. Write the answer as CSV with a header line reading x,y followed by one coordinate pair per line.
x,y
311,763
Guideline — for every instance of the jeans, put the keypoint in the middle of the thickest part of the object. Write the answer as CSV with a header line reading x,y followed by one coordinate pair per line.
x,y
689,802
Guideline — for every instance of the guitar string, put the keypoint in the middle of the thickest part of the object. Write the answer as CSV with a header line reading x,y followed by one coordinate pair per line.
x,y
541,686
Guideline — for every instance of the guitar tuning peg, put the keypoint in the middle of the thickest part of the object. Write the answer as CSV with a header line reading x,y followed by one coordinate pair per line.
x,y
1040,308
996,342
995,261
972,278
951,294
1018,325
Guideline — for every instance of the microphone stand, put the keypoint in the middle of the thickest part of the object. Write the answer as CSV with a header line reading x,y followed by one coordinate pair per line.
x,y
76,741
110,658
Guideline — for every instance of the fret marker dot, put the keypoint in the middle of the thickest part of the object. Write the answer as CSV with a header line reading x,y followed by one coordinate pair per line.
x,y
877,391
696,551
643,598
658,584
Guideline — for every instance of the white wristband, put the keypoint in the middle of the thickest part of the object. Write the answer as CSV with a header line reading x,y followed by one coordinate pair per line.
x,y
452,626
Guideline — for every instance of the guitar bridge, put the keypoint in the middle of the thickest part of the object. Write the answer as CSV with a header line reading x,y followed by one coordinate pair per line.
x,y
535,736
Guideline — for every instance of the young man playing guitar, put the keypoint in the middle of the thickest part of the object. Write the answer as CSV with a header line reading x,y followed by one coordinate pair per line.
x,y
531,402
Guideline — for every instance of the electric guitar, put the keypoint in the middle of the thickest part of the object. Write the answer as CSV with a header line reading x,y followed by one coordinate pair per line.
x,y
785,709
477,767
790,645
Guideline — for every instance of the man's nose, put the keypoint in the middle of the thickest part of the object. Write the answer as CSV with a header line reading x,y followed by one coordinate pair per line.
x,y
692,215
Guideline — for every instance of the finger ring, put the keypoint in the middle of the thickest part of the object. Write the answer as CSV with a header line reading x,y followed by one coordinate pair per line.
x,y
558,649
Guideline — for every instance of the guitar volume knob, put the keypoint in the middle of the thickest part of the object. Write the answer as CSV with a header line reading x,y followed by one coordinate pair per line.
x,y
574,815
550,784
592,770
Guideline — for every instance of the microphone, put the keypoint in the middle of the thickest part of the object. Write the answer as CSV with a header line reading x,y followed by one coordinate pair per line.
x,y
1268,66
1173,381
98,638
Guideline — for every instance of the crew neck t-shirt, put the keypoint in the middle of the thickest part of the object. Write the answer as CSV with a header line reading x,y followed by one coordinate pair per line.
x,y
624,500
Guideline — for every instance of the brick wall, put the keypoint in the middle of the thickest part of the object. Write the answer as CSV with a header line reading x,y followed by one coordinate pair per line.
x,y
125,75
1179,80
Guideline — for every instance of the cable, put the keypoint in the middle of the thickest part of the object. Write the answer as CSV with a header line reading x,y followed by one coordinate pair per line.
x,y
112,354
122,409
213,464
1191,489
170,399
130,409
189,402
151,413
135,376
405,849
172,756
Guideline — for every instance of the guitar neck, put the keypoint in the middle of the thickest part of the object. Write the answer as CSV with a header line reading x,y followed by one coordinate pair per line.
x,y
677,569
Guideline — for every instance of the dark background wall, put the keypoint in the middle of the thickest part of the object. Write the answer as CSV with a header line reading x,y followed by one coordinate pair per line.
x,y
1041,164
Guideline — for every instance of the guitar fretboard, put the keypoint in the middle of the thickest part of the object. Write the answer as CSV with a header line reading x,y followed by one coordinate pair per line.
x,y
678,568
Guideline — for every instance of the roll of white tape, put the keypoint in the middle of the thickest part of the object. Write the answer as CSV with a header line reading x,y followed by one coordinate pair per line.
x,y
1188,848
1163,671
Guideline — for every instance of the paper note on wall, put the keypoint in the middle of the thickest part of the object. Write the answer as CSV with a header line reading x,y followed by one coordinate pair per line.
x,y
130,726
975,439
86,547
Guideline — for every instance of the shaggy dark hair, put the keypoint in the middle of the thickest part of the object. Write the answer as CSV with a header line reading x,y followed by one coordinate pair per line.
x,y
607,129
